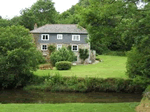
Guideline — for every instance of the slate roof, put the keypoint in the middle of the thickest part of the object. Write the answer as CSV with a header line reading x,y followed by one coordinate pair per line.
x,y
60,28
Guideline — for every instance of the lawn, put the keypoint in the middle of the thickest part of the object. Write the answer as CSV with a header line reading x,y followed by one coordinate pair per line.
x,y
110,67
71,107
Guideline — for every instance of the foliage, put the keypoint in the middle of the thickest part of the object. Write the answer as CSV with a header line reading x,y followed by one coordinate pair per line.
x,y
110,24
139,60
63,65
115,53
62,55
18,56
83,54
42,12
69,47
51,48
4,22
75,84
27,19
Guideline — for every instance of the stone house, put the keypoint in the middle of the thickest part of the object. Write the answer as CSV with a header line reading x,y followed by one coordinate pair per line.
x,y
62,35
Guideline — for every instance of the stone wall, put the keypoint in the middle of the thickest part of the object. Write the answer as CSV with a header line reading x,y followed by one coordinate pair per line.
x,y
80,46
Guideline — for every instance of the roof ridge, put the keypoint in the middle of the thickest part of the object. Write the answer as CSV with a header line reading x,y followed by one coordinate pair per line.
x,y
70,28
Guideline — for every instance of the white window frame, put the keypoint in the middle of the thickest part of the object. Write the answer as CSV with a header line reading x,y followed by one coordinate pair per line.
x,y
44,49
75,39
59,47
72,47
45,38
59,36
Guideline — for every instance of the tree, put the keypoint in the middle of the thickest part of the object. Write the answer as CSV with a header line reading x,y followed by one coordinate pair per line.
x,y
42,12
4,23
103,20
18,56
15,20
138,61
27,19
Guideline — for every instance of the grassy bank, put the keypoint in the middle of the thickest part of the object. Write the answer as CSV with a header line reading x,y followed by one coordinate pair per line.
x,y
60,83
75,107
110,67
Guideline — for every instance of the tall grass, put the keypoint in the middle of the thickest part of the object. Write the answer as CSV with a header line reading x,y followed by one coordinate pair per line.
x,y
59,83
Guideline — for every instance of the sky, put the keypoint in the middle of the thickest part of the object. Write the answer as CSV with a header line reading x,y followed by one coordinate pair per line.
x,y
11,8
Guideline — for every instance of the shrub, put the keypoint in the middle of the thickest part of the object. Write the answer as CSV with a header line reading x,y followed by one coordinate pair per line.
x,y
18,57
83,54
63,65
58,83
115,53
62,55
51,48
138,61
69,47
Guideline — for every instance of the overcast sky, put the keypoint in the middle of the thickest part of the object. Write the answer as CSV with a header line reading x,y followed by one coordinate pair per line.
x,y
11,8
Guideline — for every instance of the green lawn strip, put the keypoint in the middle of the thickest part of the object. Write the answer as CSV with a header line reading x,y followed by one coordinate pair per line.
x,y
70,107
110,67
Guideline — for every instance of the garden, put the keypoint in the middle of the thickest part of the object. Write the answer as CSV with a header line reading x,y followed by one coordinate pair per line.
x,y
24,86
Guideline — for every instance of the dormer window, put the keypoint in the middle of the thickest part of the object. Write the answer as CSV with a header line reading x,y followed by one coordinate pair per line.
x,y
59,36
45,37
75,37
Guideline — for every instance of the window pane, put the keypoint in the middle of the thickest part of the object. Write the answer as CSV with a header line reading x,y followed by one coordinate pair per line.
x,y
75,48
46,37
44,47
43,37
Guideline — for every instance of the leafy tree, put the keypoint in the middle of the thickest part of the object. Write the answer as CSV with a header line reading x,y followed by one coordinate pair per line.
x,y
4,22
27,19
103,20
15,20
18,57
42,12
138,61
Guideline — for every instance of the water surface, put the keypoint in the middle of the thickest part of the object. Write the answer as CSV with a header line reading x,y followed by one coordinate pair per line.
x,y
21,96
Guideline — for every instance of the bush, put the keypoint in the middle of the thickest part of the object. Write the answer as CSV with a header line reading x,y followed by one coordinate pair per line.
x,y
73,84
138,61
83,54
63,65
62,55
18,57
51,48
115,53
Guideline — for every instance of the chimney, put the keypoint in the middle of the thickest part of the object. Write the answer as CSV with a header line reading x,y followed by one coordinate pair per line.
x,y
35,26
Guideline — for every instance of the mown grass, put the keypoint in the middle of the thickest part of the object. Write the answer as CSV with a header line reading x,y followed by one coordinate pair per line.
x,y
110,67
71,107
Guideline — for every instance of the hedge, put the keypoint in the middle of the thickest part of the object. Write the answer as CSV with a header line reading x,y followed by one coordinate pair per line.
x,y
63,65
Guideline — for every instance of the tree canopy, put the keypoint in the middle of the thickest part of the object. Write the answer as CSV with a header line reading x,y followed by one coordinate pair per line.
x,y
18,56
